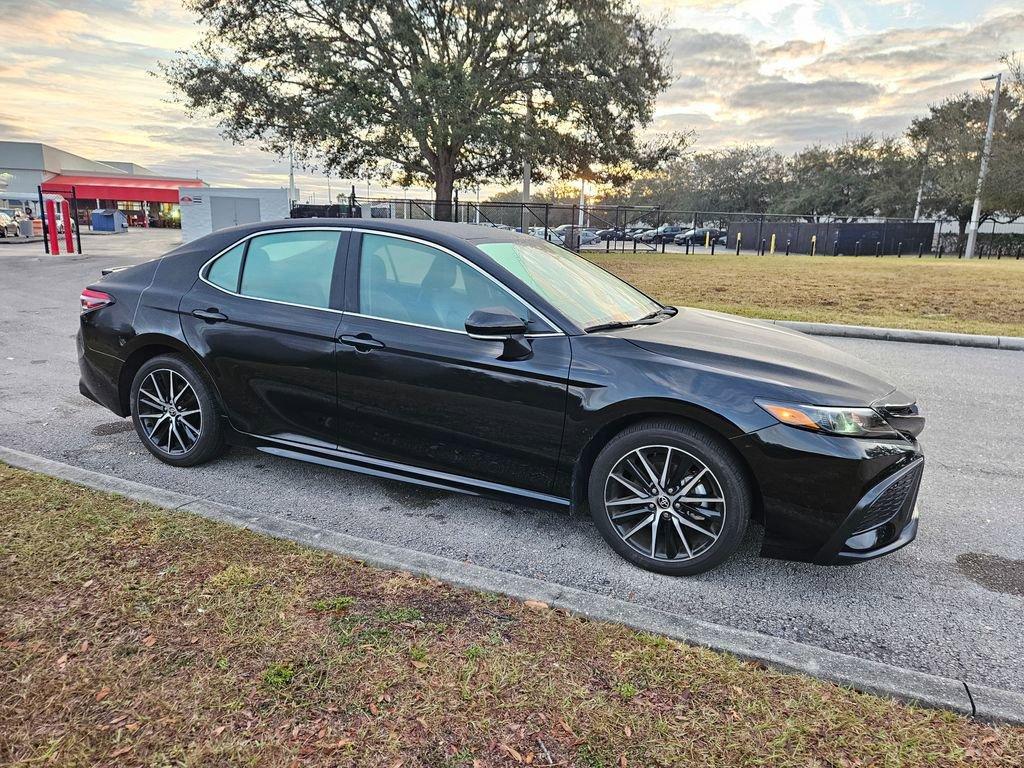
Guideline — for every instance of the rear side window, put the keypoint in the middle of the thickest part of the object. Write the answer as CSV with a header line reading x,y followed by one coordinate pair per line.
x,y
224,271
292,267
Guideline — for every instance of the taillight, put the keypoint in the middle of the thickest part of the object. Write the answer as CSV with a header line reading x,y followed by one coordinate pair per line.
x,y
92,299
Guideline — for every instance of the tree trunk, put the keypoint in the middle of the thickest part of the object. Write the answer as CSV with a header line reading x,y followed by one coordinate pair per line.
x,y
444,184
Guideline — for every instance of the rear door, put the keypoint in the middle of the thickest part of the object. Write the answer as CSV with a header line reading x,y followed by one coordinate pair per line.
x,y
264,316
414,387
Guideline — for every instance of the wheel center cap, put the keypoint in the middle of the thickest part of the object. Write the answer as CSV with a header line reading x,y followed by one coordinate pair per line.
x,y
663,502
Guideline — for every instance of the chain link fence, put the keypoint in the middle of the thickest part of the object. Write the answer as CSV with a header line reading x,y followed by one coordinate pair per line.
x,y
643,229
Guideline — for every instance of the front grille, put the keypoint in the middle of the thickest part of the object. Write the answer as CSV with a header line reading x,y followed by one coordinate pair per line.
x,y
890,502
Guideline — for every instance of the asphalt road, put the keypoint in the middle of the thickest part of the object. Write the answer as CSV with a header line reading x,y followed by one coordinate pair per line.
x,y
950,604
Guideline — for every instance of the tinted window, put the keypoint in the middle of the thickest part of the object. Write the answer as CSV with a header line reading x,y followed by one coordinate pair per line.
x,y
414,283
224,271
296,267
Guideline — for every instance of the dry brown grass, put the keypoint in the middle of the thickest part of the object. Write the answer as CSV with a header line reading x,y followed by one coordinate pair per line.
x,y
137,636
982,296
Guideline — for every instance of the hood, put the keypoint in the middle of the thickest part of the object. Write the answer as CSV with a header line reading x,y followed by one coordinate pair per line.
x,y
819,373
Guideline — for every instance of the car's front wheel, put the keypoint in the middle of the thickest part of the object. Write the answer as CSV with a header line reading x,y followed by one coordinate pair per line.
x,y
669,497
175,413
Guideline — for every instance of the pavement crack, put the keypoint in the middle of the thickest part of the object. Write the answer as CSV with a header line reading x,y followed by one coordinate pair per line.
x,y
970,698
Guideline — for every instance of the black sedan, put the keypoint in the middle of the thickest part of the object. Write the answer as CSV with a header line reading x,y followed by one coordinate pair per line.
x,y
478,360
663,234
700,236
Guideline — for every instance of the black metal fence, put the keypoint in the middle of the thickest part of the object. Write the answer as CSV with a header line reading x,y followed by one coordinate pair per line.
x,y
649,229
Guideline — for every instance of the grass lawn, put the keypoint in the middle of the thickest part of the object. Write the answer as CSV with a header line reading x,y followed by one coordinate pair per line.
x,y
983,296
138,636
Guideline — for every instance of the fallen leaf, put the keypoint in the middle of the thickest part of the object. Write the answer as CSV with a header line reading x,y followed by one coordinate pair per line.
x,y
102,693
622,761
536,605
121,751
419,664
84,646
132,727
373,708
219,730
88,584
149,641
628,731
512,753
62,660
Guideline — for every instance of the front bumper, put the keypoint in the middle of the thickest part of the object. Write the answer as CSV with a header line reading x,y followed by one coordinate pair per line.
x,y
883,521
833,500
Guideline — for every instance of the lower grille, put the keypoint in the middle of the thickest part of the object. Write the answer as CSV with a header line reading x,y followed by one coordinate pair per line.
x,y
891,501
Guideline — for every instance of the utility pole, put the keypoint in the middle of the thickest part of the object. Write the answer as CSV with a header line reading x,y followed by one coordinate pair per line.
x,y
530,68
291,176
920,186
972,230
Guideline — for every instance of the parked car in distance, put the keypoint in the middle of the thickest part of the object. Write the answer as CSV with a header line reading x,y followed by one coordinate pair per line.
x,y
662,234
611,233
9,219
478,360
700,235
551,235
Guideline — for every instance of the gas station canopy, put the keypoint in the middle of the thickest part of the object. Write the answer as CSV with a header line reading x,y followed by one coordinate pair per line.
x,y
135,188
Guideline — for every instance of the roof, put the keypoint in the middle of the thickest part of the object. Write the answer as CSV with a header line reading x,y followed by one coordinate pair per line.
x,y
135,188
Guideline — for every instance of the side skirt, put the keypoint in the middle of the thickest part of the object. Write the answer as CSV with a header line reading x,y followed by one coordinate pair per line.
x,y
391,470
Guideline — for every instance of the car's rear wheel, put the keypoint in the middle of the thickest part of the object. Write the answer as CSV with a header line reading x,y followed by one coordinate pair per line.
x,y
175,413
669,497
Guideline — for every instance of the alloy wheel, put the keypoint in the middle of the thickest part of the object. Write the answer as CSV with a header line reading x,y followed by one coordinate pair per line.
x,y
665,503
169,411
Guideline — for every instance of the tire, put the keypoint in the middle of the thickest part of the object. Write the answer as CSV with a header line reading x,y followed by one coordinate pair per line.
x,y
195,416
692,536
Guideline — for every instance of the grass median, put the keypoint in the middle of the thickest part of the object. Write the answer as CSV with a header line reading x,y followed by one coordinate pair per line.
x,y
140,636
981,296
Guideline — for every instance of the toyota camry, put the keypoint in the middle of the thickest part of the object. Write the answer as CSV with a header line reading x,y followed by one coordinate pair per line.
x,y
488,362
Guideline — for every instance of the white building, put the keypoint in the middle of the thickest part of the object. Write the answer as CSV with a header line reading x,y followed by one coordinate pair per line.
x,y
211,208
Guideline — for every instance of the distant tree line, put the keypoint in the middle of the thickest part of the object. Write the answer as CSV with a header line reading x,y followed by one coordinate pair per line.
x,y
940,152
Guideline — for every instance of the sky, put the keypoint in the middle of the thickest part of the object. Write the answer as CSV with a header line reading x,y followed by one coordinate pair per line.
x,y
77,74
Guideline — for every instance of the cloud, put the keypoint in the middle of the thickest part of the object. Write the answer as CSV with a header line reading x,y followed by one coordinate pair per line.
x,y
75,74
785,95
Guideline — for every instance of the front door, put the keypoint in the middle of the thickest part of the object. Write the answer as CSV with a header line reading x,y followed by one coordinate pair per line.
x,y
414,387
264,317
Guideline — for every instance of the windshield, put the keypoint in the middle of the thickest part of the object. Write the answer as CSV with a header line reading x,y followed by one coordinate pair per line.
x,y
582,291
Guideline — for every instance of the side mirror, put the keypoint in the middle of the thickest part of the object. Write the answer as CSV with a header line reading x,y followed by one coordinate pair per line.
x,y
500,324
494,323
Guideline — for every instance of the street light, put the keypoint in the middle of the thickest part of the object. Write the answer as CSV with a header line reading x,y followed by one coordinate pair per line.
x,y
972,230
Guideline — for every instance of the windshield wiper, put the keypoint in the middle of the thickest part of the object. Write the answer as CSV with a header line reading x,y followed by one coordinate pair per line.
x,y
651,319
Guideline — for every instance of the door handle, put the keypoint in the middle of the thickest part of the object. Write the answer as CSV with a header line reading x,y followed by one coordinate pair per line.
x,y
209,315
364,342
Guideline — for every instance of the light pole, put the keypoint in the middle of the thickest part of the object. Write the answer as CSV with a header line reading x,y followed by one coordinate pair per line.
x,y
972,230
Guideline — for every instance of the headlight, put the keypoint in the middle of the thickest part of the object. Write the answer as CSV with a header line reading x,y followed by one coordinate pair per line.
x,y
849,422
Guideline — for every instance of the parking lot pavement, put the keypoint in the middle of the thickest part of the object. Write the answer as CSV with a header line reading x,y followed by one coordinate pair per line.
x,y
950,604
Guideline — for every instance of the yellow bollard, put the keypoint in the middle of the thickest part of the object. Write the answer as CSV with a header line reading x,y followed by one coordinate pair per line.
x,y
814,244
707,238
772,250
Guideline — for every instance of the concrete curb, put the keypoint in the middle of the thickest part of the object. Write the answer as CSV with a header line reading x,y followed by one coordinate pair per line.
x,y
902,334
988,704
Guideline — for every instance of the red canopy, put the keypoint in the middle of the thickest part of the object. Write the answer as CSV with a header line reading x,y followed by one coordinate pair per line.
x,y
136,188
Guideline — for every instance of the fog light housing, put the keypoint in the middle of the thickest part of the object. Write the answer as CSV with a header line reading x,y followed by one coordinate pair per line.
x,y
863,541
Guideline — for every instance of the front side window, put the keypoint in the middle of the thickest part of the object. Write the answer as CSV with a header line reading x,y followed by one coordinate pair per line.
x,y
414,283
582,291
293,267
